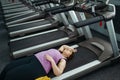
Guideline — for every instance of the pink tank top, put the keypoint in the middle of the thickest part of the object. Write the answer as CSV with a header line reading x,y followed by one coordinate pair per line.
x,y
55,54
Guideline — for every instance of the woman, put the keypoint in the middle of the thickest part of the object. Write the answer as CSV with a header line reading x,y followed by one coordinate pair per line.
x,y
38,65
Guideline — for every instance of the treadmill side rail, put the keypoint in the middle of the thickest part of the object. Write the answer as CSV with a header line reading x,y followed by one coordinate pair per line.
x,y
71,74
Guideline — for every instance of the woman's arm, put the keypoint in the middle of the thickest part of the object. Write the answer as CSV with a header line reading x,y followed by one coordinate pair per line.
x,y
57,69
67,47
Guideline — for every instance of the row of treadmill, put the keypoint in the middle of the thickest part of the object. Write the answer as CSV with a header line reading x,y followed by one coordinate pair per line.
x,y
36,25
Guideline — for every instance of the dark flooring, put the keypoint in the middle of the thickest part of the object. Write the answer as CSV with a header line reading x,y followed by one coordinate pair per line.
x,y
4,49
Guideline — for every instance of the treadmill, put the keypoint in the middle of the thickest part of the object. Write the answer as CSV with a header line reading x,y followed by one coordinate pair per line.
x,y
23,46
14,9
50,21
28,16
41,41
11,4
23,4
14,13
94,52
26,28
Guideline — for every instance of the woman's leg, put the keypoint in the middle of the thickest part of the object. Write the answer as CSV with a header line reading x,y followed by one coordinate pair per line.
x,y
13,65
28,71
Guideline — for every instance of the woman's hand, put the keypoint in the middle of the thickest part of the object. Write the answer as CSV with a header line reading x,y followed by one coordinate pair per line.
x,y
48,57
57,69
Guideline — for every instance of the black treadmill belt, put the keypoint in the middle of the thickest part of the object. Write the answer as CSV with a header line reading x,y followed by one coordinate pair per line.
x,y
36,40
13,4
29,25
82,57
14,12
19,6
21,17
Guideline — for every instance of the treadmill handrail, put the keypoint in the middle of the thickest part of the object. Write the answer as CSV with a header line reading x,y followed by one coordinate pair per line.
x,y
89,21
79,9
54,8
42,3
33,2
45,2
108,15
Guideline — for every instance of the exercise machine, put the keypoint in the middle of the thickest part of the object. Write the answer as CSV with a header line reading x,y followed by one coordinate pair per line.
x,y
36,14
15,8
94,52
16,14
49,21
44,40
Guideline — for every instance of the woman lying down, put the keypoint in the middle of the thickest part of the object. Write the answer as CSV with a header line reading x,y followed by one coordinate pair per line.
x,y
39,64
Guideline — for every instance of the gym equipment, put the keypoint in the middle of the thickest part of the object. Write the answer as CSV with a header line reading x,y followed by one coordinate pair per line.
x,y
33,26
44,40
94,52
116,21
35,47
15,8
37,14
49,22
24,6
24,3
11,4
13,15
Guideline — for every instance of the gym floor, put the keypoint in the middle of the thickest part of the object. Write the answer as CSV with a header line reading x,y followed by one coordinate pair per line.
x,y
110,72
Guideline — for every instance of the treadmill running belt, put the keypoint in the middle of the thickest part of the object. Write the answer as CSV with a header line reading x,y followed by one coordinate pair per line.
x,y
20,17
30,25
36,40
13,7
81,57
16,10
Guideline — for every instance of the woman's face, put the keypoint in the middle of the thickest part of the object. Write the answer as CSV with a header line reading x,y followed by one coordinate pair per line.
x,y
67,52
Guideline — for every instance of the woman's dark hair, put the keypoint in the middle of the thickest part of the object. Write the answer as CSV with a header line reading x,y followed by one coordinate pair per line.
x,y
71,56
